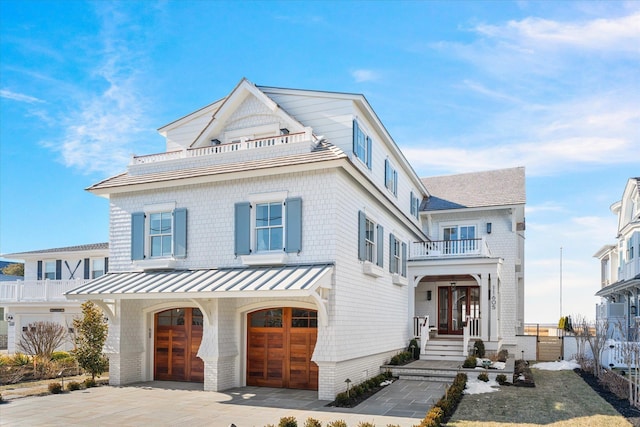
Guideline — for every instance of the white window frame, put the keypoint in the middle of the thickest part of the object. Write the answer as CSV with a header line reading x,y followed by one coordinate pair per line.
x,y
149,210
257,228
264,198
49,268
396,261
94,270
361,147
391,178
370,227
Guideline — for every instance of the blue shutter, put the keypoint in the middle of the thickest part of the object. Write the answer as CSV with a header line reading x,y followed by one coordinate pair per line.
x,y
395,182
404,259
361,237
87,271
355,137
106,265
179,233
369,152
413,205
137,236
58,269
386,173
380,246
242,228
39,270
392,244
293,226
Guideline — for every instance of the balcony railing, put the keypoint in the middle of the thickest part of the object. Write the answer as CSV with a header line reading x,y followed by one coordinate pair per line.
x,y
37,290
249,144
450,248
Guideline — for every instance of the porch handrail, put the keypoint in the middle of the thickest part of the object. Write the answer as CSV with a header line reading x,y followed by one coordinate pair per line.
x,y
449,248
38,290
471,330
249,144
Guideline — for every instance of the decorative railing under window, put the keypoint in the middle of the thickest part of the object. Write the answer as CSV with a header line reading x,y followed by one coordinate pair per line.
x,y
37,290
450,248
214,149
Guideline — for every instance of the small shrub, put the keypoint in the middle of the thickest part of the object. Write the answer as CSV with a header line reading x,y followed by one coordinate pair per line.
x,y
55,388
433,418
312,422
338,423
288,422
469,362
90,382
74,385
414,349
483,376
501,379
401,358
20,359
478,348
4,360
60,355
503,355
365,424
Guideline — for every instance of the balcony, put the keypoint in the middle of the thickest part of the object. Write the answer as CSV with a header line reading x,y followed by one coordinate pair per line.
x,y
218,149
37,290
438,249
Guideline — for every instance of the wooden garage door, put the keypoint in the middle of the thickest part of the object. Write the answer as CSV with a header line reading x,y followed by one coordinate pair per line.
x,y
177,339
280,344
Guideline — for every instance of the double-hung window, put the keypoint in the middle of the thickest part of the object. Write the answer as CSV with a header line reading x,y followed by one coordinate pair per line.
x,y
50,270
415,205
98,267
370,240
159,233
390,177
361,144
397,256
269,227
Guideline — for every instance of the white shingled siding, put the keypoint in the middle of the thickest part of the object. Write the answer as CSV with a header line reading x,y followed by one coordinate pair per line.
x,y
504,243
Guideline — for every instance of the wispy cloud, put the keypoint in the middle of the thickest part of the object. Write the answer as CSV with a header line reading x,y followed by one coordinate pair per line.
x,y
101,130
364,75
20,97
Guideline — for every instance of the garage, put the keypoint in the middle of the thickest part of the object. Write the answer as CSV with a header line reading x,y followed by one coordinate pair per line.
x,y
280,343
178,333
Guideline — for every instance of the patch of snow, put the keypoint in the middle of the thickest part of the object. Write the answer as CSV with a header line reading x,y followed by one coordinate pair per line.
x,y
387,382
562,365
477,387
498,365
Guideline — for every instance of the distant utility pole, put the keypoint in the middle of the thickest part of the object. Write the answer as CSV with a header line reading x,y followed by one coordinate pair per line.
x,y
560,281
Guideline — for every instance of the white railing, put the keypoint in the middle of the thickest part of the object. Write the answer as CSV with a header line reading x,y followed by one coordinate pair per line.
x,y
422,329
37,290
250,144
450,248
621,354
471,330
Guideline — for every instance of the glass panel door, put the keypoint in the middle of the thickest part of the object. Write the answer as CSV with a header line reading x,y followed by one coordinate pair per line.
x,y
443,310
458,309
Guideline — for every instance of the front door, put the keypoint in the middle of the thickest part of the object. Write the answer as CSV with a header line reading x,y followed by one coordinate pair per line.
x,y
177,339
455,304
280,343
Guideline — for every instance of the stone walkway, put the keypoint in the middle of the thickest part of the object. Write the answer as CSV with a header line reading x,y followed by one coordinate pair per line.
x,y
403,403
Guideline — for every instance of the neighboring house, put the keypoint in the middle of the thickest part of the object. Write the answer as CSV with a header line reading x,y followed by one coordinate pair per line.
x,y
620,269
284,240
39,295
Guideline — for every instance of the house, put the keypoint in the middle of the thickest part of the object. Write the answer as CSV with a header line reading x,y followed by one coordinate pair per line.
x,y
620,269
284,240
39,295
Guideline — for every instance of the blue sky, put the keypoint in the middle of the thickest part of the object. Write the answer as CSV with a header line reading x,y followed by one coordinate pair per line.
x,y
461,86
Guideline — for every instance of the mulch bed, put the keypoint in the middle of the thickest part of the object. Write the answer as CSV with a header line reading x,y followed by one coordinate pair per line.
x,y
623,406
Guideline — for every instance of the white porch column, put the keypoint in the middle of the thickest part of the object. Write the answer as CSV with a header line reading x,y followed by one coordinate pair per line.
x,y
493,305
485,307
412,305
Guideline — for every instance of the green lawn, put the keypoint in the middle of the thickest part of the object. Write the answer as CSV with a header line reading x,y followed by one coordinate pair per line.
x,y
560,399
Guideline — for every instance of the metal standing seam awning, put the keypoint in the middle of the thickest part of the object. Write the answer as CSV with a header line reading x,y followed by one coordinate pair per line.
x,y
233,282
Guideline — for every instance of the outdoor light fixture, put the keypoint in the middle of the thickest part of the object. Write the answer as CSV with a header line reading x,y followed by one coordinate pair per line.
x,y
428,295
633,310
453,285
488,228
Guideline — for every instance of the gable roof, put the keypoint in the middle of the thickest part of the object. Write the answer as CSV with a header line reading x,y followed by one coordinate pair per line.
x,y
78,248
475,190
